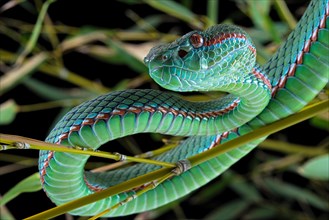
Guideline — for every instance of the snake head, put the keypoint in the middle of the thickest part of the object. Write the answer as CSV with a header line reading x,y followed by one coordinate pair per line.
x,y
202,60
172,64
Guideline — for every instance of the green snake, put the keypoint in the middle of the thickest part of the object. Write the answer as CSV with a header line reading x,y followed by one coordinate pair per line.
x,y
221,58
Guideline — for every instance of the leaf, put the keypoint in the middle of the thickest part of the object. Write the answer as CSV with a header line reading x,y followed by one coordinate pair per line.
x,y
247,190
259,14
83,38
29,184
293,192
35,33
228,211
127,57
54,93
8,112
156,213
262,213
149,23
212,11
176,10
258,11
228,179
316,168
16,75
5,213
321,122
213,189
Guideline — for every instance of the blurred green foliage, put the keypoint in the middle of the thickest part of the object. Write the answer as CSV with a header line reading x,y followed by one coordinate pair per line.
x,y
279,181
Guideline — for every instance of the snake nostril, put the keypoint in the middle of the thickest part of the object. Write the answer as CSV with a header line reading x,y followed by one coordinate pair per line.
x,y
164,57
182,53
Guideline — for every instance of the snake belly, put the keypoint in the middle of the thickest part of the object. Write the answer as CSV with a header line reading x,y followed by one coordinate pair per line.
x,y
292,77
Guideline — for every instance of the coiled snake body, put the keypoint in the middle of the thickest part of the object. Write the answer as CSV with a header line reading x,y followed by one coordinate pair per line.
x,y
219,58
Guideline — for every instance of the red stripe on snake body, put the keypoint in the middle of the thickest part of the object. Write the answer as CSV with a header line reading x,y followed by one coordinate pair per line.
x,y
299,59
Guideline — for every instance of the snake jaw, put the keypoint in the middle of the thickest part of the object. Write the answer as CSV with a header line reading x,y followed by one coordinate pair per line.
x,y
169,81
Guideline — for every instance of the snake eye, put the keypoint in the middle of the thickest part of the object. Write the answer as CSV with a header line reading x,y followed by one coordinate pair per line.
x,y
196,40
182,53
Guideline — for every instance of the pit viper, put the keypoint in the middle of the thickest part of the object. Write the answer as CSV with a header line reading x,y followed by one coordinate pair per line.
x,y
220,58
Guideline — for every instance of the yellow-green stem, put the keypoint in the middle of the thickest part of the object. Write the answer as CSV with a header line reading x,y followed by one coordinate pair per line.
x,y
306,113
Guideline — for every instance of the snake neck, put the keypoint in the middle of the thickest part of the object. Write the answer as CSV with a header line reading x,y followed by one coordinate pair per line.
x,y
248,97
252,94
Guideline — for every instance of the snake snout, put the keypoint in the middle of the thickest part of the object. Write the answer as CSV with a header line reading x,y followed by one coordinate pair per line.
x,y
156,53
